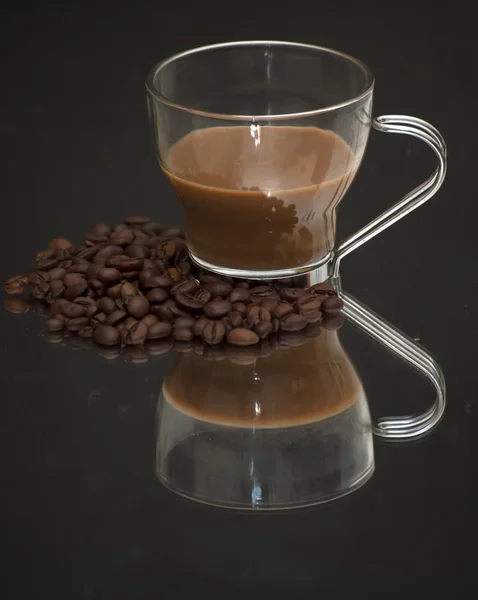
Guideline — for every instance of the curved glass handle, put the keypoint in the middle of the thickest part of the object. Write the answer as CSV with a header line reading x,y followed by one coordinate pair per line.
x,y
423,131
409,427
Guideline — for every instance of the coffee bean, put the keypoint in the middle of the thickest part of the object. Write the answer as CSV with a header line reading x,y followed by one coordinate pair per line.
x,y
86,332
166,249
239,295
106,305
114,292
293,322
40,291
16,285
73,310
60,243
125,264
263,329
156,281
135,220
90,253
57,273
44,254
190,302
332,304
235,319
243,284
98,319
242,337
217,308
79,268
269,303
128,289
101,229
77,324
73,279
261,291
57,289
186,287
73,291
159,330
152,227
16,306
240,307
107,252
275,325
282,309
149,320
116,317
184,334
95,238
138,306
213,332
162,311
54,324
59,305
86,302
291,294
184,322
199,325
38,277
175,275
106,335
256,314
91,310
62,255
157,295
323,289
219,288
136,334
308,302
208,279
121,238
109,276
185,268
137,251
97,286
171,232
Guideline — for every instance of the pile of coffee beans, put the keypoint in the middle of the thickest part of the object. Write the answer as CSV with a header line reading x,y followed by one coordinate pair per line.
x,y
134,284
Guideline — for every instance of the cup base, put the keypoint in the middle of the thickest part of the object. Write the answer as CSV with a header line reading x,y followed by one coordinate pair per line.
x,y
316,272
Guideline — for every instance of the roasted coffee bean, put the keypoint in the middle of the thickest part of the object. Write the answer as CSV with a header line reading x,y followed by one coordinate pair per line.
x,y
16,285
183,334
199,325
217,308
89,253
152,227
135,220
57,289
86,332
189,302
208,279
106,335
275,325
157,295
256,314
261,291
106,305
166,249
38,277
114,292
155,281
159,330
148,263
149,320
235,319
109,276
291,294
138,306
62,255
130,275
58,306
95,238
308,302
242,337
136,334
107,252
293,322
74,279
98,319
60,243
179,312
44,254
323,289
16,306
186,287
40,291
101,229
121,238
162,311
74,291
116,317
263,329
79,268
332,304
97,286
213,332
72,310
175,275
91,311
46,265
282,309
184,322
240,307
77,324
93,270
220,288
269,303
57,273
54,324
125,264
122,303
239,294
185,268
128,289
138,251
243,284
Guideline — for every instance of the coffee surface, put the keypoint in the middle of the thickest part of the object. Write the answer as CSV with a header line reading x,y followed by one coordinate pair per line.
x,y
260,198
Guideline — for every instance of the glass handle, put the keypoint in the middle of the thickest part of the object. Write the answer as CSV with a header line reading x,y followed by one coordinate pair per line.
x,y
423,131
403,428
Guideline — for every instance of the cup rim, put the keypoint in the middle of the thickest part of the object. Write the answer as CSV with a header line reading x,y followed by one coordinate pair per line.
x,y
151,88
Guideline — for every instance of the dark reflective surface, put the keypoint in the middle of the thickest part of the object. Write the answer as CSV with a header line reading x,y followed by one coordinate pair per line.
x,y
83,513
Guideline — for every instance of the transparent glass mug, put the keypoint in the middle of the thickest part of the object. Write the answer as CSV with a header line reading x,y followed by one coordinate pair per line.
x,y
260,142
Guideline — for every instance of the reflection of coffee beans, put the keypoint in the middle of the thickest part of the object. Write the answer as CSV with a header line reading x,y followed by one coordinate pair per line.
x,y
96,290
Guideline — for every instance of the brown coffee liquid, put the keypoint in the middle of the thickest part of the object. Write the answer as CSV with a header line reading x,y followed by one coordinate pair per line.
x,y
260,198
291,386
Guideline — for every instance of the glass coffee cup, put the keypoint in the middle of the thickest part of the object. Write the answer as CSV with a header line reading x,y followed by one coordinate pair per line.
x,y
260,142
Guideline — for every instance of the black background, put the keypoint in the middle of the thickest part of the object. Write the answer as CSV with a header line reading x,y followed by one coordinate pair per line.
x,y
83,514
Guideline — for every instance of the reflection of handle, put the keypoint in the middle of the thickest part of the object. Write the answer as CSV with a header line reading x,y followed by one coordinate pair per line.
x,y
407,427
423,131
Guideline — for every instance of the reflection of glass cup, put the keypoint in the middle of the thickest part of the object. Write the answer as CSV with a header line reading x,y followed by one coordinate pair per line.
x,y
260,141
290,429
